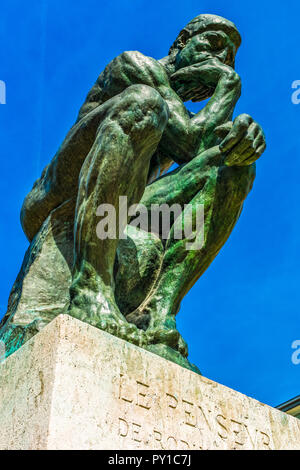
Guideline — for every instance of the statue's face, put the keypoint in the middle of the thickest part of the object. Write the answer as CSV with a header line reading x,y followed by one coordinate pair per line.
x,y
206,45
199,48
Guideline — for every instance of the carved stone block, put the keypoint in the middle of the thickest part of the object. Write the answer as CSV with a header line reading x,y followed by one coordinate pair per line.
x,y
73,386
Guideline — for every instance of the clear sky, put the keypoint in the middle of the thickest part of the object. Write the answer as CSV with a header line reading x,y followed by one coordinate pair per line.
x,y
242,316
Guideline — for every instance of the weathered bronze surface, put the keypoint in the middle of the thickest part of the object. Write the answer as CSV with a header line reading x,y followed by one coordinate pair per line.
x,y
132,127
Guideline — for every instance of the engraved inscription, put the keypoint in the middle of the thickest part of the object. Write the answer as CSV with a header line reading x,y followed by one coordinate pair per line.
x,y
137,433
138,393
197,425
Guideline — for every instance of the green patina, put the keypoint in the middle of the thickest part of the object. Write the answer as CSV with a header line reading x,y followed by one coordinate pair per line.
x,y
131,128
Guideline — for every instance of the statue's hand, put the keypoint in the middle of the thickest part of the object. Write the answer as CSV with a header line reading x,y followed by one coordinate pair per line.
x,y
198,81
244,143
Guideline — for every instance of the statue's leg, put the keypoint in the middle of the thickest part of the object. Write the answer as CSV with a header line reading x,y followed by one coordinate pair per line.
x,y
117,165
221,190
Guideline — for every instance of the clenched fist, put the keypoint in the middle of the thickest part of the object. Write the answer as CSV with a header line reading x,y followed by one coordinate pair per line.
x,y
244,142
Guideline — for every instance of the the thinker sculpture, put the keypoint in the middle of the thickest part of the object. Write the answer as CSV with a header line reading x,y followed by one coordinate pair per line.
x,y
132,127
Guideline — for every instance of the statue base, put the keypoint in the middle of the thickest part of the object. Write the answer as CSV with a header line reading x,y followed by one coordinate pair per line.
x,y
73,386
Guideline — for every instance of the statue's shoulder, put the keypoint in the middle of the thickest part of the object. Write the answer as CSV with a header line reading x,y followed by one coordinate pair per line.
x,y
134,67
134,58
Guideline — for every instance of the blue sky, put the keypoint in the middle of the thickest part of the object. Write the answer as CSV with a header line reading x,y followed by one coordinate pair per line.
x,y
242,316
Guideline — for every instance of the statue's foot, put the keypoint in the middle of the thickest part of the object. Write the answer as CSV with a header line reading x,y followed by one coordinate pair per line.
x,y
164,331
171,355
123,330
169,337
111,323
93,302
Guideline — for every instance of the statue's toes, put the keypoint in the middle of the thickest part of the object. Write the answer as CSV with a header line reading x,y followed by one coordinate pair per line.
x,y
169,337
182,347
102,325
125,331
112,328
134,335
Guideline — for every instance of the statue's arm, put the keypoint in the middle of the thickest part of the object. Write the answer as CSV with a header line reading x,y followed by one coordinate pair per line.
x,y
244,140
218,111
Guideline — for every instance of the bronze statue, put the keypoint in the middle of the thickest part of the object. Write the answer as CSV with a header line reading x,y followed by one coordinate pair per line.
x,y
132,127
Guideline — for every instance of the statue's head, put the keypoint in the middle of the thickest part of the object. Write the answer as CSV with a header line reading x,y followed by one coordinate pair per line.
x,y
205,37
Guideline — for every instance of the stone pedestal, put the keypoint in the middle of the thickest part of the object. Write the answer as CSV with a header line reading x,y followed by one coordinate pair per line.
x,y
73,386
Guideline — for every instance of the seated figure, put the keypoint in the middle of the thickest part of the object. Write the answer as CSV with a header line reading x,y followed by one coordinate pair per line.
x,y
131,129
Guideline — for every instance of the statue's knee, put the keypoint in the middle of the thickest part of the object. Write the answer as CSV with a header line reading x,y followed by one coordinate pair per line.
x,y
146,95
144,103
